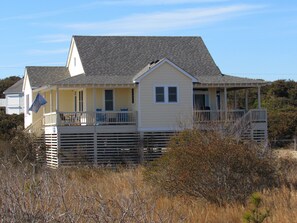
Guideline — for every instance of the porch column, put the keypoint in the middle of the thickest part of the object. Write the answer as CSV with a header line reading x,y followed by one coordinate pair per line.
x,y
225,103
235,100
246,100
94,99
259,97
51,101
57,99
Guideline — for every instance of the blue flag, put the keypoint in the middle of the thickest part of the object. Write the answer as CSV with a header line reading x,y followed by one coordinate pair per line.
x,y
38,102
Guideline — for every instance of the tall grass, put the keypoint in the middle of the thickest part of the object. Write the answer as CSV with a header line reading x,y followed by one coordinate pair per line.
x,y
94,195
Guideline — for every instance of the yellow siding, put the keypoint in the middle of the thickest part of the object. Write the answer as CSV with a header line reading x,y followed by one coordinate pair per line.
x,y
122,98
66,100
166,116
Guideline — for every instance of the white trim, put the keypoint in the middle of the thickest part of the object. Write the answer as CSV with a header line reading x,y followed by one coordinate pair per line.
x,y
138,107
166,94
160,63
70,51
205,93
158,129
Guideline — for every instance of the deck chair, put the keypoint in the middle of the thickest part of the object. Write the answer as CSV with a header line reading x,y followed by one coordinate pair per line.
x,y
123,117
100,118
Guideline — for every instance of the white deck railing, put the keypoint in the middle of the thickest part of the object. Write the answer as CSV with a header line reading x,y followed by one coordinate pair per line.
x,y
201,116
90,118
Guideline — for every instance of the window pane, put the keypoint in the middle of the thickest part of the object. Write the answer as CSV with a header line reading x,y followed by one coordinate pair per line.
x,y
108,100
81,100
172,94
132,92
160,94
109,105
108,95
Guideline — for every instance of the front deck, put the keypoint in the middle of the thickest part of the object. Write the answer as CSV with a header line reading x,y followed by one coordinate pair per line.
x,y
110,138
129,118
90,118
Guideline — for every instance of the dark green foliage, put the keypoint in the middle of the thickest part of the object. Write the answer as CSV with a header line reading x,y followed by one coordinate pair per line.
x,y
19,149
280,99
9,124
6,83
213,167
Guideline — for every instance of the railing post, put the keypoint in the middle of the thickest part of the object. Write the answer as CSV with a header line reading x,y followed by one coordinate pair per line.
x,y
259,97
58,118
225,102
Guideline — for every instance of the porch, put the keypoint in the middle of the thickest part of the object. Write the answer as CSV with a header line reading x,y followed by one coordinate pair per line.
x,y
90,118
231,116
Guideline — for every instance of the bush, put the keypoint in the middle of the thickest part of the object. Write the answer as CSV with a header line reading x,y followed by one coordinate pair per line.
x,y
213,167
20,149
9,124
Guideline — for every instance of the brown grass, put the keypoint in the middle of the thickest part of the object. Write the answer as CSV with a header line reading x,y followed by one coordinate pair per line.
x,y
94,195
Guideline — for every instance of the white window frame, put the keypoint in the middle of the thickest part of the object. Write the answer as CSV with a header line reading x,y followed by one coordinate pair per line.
x,y
166,94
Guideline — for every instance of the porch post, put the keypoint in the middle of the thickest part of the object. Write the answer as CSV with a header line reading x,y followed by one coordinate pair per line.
x,y
225,102
57,99
94,105
259,97
235,100
51,101
246,100
94,98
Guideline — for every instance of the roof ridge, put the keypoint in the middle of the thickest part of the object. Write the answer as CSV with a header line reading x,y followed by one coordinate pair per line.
x,y
136,36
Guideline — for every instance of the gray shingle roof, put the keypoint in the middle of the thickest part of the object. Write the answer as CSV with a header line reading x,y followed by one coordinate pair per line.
x,y
15,88
117,59
93,79
40,76
125,56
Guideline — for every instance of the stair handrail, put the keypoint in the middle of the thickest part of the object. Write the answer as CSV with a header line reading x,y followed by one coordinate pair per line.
x,y
36,127
249,117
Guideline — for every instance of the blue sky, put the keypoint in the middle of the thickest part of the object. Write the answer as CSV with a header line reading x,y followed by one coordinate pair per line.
x,y
256,39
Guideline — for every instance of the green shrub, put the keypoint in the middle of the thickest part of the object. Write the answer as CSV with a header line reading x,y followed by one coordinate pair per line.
x,y
256,214
213,167
20,149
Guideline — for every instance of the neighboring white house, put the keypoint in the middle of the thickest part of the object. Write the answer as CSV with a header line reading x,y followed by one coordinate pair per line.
x,y
14,99
118,99
2,104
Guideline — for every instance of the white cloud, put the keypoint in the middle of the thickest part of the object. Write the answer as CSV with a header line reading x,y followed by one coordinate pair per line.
x,y
160,21
47,52
152,2
54,38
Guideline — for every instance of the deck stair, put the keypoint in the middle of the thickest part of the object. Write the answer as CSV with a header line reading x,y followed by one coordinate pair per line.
x,y
252,126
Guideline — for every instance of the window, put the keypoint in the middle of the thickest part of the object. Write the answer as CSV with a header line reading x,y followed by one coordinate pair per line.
x,y
160,94
75,102
74,61
172,94
166,94
108,100
132,95
80,101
